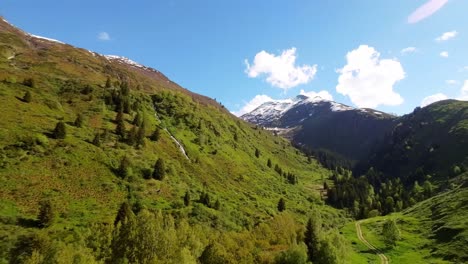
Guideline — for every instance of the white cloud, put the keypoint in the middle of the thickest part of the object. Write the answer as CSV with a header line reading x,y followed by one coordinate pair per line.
x,y
444,54
369,80
426,10
408,50
451,82
464,92
462,69
253,104
322,94
104,36
281,70
446,36
433,98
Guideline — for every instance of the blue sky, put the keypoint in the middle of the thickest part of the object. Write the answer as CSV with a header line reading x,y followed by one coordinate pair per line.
x,y
389,55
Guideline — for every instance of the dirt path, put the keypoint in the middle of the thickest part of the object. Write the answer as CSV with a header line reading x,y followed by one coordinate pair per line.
x,y
383,258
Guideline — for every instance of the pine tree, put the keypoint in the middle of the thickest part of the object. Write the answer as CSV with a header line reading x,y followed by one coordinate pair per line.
x,y
156,134
27,97
124,89
46,215
120,127
132,136
281,205
138,119
97,140
390,233
187,198
205,199
312,236
159,170
140,137
60,131
108,83
125,211
269,163
124,168
30,82
257,153
79,120
217,205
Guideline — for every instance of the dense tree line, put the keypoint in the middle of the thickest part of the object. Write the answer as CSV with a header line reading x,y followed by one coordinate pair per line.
x,y
373,194
145,236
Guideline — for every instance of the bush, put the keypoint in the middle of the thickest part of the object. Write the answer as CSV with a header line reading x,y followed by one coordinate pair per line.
x,y
294,255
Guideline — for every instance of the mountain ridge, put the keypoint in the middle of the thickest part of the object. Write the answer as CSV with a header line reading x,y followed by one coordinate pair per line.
x,y
316,123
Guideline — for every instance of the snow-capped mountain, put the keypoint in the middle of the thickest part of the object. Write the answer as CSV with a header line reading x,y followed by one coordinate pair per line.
x,y
317,123
303,107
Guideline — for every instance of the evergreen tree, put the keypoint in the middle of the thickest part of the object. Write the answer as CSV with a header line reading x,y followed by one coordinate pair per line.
x,y
156,134
312,236
46,215
205,199
390,233
60,131
132,136
159,170
108,83
78,121
27,97
281,205
187,198
217,205
125,211
257,153
97,140
120,127
269,163
124,89
138,119
140,137
30,82
124,169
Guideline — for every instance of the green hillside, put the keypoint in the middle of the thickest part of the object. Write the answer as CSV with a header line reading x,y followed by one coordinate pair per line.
x,y
430,141
432,231
92,170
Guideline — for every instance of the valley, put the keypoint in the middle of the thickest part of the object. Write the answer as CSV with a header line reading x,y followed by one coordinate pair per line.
x,y
105,160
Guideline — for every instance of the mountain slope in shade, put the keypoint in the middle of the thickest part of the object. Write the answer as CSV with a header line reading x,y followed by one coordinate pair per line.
x,y
430,141
316,123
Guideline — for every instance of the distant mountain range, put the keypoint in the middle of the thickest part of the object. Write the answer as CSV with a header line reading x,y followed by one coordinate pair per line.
x,y
319,124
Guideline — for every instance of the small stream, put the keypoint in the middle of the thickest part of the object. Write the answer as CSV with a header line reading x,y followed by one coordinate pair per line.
x,y
181,148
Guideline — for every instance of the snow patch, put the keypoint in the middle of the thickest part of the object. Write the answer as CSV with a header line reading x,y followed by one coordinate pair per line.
x,y
336,107
44,38
128,61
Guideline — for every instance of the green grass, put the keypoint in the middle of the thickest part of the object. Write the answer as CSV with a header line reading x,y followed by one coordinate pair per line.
x,y
79,177
432,231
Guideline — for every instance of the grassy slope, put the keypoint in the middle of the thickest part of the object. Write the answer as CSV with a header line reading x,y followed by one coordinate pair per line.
x,y
78,176
432,231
